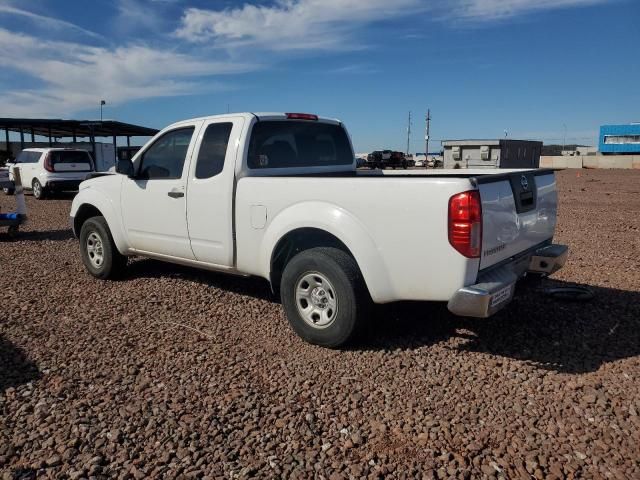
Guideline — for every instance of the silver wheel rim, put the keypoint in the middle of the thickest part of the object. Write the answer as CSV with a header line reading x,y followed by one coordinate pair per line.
x,y
95,250
36,189
316,300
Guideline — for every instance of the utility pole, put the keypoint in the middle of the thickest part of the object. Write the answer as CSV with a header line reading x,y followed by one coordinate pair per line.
x,y
409,133
426,137
564,139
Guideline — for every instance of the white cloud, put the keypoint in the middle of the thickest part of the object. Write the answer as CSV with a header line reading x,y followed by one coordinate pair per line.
x,y
289,24
74,77
135,16
70,77
488,10
45,21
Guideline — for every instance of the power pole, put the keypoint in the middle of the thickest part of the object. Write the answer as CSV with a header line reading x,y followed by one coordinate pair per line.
x,y
409,133
426,137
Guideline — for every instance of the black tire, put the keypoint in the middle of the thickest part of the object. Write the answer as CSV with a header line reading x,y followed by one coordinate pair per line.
x,y
12,231
113,263
38,190
9,190
347,285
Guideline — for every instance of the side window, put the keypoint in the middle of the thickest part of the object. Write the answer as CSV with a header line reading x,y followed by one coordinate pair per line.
x,y
23,157
213,150
165,158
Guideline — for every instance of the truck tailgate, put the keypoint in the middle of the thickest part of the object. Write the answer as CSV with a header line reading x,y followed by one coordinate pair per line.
x,y
518,212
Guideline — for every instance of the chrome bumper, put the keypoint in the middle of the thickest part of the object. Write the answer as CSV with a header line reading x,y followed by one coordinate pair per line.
x,y
495,288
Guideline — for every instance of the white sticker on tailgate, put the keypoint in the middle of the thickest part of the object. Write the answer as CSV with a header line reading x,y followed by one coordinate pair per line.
x,y
501,296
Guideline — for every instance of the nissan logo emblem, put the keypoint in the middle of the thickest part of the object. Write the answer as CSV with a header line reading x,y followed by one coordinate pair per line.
x,y
524,182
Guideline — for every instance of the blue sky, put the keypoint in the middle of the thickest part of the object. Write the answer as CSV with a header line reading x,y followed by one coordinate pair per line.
x,y
532,67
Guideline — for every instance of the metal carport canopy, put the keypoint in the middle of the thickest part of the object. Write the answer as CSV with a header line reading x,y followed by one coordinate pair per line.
x,y
57,128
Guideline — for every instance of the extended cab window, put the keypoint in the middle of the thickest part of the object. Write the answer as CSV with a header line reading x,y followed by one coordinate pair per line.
x,y
165,158
213,150
282,144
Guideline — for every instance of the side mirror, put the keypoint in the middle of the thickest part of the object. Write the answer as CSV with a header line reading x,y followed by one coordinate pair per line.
x,y
125,167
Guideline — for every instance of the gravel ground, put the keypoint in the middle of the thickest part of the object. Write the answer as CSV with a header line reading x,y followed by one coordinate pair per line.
x,y
177,373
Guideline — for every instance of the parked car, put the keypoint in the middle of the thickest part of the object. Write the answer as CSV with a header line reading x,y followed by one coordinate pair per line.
x,y
374,160
49,170
277,196
397,160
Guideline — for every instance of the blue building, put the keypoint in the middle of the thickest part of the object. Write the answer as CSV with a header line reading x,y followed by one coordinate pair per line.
x,y
620,139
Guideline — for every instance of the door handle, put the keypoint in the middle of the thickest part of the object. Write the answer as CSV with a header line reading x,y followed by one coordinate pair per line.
x,y
175,194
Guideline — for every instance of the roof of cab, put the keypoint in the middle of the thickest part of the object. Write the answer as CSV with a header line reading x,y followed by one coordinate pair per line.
x,y
249,115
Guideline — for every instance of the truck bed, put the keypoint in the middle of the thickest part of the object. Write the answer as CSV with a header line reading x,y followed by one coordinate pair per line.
x,y
399,219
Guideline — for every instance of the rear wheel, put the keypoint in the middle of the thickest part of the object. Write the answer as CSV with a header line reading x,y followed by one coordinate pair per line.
x,y
324,296
38,190
100,255
9,190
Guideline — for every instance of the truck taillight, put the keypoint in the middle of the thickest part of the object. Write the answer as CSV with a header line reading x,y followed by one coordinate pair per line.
x,y
48,163
301,116
465,223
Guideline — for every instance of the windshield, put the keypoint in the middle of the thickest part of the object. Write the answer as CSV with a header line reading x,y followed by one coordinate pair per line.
x,y
282,144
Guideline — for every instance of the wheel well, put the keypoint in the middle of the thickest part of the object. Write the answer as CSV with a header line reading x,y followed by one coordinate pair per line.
x,y
85,212
295,242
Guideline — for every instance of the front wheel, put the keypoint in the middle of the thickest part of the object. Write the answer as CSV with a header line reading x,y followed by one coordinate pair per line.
x,y
100,255
324,296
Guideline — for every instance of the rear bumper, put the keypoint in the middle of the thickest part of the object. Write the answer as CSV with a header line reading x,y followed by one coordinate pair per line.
x,y
64,184
495,288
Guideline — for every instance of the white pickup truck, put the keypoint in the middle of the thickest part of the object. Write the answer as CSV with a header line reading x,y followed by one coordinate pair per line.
x,y
278,196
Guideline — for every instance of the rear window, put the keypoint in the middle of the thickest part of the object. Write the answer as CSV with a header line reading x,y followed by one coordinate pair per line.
x,y
70,156
283,144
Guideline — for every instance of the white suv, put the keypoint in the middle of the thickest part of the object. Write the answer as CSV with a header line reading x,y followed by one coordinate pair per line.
x,y
45,170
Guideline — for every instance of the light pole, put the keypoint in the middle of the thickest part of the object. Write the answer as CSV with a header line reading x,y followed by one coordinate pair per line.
x,y
409,134
102,103
564,139
426,138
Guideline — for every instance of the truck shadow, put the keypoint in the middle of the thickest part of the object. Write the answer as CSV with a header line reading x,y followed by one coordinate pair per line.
x,y
567,337
15,367
252,286
38,236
